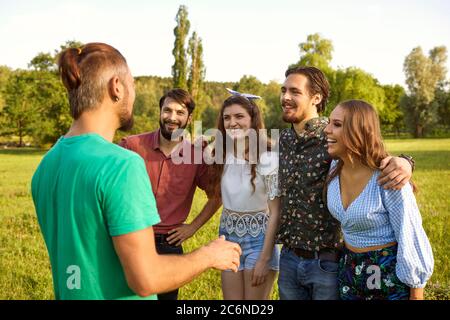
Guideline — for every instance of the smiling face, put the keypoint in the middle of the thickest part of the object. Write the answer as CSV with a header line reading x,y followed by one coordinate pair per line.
x,y
236,121
296,101
173,116
334,131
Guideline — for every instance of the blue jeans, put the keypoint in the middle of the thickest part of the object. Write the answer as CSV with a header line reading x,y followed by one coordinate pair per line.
x,y
307,279
251,250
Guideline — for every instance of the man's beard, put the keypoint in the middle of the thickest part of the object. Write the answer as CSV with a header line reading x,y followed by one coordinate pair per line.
x,y
126,123
172,135
126,119
293,117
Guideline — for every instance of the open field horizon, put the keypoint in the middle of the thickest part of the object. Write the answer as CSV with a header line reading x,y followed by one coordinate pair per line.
x,y
24,265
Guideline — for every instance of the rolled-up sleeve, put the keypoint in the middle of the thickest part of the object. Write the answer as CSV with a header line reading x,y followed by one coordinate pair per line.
x,y
414,256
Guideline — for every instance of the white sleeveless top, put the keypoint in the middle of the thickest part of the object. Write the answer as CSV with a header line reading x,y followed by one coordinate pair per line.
x,y
237,190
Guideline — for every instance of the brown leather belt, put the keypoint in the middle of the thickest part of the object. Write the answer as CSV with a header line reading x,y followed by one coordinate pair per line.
x,y
324,254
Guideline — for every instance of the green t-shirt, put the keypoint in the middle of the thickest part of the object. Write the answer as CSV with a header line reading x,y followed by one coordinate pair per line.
x,y
85,191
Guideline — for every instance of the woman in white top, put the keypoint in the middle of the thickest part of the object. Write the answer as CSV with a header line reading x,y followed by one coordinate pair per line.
x,y
247,178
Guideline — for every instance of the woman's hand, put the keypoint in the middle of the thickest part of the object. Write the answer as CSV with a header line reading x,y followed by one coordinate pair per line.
x,y
180,234
260,272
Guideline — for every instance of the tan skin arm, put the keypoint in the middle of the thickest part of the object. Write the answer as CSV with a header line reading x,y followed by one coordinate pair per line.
x,y
262,265
185,231
149,273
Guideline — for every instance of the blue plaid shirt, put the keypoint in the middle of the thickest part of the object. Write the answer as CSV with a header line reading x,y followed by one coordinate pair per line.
x,y
377,217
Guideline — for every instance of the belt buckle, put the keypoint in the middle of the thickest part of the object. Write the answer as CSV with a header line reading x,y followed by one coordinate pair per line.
x,y
305,254
330,255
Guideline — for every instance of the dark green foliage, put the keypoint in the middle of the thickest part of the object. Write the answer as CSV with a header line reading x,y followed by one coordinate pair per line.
x,y
180,67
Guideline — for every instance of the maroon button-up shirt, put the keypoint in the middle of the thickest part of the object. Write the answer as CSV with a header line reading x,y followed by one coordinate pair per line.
x,y
173,184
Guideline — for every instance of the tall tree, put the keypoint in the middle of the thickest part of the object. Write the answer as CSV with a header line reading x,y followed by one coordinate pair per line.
x,y
250,84
316,52
392,117
354,83
197,67
423,77
443,101
43,62
21,109
180,67
45,96
5,73
53,104
47,61
52,99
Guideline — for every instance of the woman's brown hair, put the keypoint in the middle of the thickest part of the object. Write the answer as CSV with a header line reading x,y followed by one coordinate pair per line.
x,y
86,71
361,136
257,123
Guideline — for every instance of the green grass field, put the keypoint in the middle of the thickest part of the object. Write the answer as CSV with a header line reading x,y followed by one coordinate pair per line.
x,y
25,269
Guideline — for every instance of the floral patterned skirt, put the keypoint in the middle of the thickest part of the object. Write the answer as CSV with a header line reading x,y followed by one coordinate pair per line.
x,y
370,276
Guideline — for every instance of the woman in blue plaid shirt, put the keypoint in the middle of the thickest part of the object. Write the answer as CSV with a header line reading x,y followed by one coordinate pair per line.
x,y
387,254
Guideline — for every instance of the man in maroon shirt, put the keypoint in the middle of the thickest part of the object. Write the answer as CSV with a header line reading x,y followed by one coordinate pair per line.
x,y
173,184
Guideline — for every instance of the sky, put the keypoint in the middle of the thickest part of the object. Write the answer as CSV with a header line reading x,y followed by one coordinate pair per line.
x,y
240,37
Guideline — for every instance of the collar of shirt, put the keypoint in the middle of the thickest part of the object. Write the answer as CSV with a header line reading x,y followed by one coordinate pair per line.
x,y
312,126
155,144
316,123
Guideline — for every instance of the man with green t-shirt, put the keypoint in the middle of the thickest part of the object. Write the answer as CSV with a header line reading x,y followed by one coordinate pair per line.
x,y
93,198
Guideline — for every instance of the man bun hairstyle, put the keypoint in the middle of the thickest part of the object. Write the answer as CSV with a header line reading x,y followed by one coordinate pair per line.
x,y
86,71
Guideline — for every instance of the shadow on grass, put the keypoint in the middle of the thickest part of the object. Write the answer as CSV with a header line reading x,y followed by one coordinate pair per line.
x,y
431,160
22,151
425,160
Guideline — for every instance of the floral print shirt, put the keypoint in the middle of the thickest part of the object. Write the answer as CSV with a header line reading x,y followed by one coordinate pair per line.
x,y
304,163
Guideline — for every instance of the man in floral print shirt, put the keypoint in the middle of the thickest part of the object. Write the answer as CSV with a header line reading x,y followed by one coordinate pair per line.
x,y
310,235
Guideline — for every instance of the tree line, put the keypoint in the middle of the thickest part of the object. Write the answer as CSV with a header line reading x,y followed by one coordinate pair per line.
x,y
34,106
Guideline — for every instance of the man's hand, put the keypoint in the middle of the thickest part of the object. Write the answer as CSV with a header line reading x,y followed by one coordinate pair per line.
x,y
180,234
224,255
396,172
260,272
